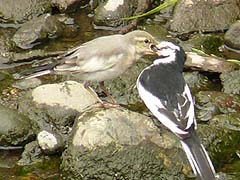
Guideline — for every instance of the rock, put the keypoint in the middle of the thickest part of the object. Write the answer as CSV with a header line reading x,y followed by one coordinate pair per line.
x,y
229,121
109,14
50,142
231,82
231,47
204,16
64,5
220,143
15,129
101,127
12,12
211,103
232,36
32,154
27,83
117,143
15,59
6,43
69,95
209,63
225,176
54,107
229,53
41,28
208,43
197,81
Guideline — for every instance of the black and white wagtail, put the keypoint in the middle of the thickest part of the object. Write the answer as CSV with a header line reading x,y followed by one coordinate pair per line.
x,y
166,94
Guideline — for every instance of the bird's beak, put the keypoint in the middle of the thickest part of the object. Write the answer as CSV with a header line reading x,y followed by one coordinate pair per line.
x,y
152,50
157,51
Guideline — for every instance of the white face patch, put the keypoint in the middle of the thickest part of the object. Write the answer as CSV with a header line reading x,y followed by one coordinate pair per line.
x,y
166,60
168,44
166,52
112,5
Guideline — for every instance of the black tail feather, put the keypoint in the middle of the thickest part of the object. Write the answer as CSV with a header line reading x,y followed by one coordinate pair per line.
x,y
37,71
198,158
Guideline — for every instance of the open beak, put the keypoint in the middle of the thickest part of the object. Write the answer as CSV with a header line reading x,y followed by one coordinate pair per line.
x,y
154,48
157,51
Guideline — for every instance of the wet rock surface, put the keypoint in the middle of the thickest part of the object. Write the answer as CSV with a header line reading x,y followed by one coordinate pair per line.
x,y
227,103
32,154
42,28
204,16
14,59
211,103
12,12
15,129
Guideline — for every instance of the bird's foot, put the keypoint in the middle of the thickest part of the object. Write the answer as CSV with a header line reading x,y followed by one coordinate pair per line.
x,y
107,105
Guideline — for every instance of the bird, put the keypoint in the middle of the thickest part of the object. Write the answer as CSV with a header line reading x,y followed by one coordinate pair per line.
x,y
165,93
100,59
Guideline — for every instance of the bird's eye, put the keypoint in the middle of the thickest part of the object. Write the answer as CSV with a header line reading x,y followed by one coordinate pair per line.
x,y
146,41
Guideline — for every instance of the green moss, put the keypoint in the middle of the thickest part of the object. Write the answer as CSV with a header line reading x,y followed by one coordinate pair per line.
x,y
113,162
211,44
6,80
45,167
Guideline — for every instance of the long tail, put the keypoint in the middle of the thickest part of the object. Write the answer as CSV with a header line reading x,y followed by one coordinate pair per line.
x,y
198,157
37,71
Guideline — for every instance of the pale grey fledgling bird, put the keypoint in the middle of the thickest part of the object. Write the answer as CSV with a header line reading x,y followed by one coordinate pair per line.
x,y
101,59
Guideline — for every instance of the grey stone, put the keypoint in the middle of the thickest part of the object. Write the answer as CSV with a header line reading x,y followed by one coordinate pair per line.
x,y
118,143
15,128
204,16
231,82
232,36
41,28
12,12
54,107
50,142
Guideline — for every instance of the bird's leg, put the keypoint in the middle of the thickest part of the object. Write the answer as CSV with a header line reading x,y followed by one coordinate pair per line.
x,y
105,91
92,92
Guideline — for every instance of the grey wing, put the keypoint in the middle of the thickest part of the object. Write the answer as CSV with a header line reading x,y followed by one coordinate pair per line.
x,y
89,58
186,108
182,118
178,120
159,109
